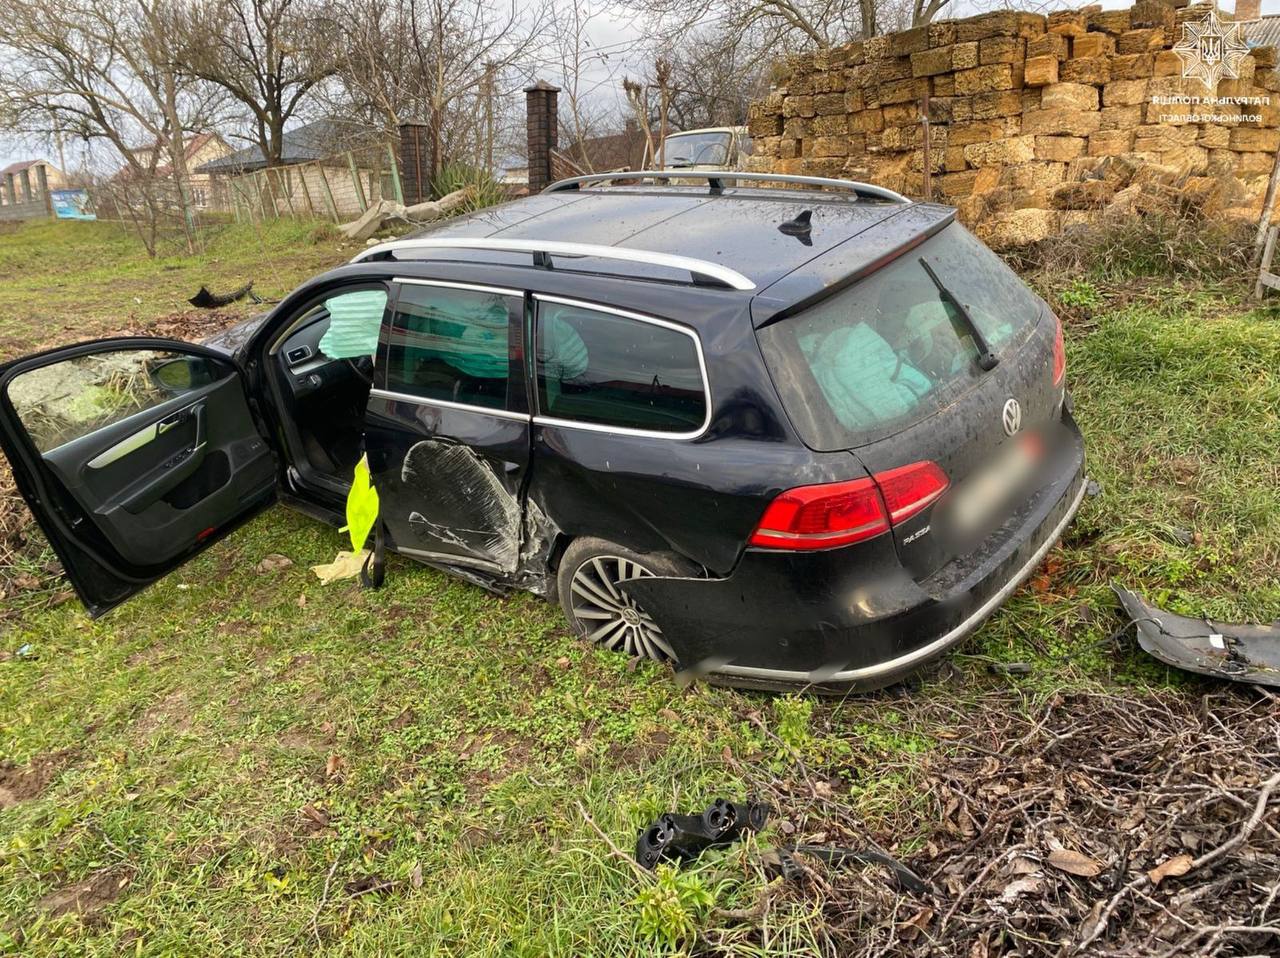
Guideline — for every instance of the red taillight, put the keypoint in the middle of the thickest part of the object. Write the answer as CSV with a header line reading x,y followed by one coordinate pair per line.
x,y
841,513
821,517
1059,354
911,489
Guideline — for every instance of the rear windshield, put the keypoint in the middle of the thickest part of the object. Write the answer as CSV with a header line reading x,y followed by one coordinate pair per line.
x,y
892,349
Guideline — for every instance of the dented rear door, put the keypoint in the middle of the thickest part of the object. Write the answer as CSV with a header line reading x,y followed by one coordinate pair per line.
x,y
447,425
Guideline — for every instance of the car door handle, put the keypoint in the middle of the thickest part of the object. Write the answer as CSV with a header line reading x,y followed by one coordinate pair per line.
x,y
146,434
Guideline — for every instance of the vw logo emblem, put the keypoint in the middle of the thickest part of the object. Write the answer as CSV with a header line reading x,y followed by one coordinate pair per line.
x,y
1011,416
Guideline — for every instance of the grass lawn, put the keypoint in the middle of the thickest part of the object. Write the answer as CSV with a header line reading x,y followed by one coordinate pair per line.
x,y
250,763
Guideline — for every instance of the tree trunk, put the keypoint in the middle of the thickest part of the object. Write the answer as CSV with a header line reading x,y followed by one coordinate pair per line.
x,y
178,162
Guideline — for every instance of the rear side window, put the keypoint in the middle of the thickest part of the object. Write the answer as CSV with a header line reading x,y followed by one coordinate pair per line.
x,y
615,371
891,349
451,345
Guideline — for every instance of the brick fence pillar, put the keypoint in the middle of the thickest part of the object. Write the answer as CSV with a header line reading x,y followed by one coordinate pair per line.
x,y
541,126
417,165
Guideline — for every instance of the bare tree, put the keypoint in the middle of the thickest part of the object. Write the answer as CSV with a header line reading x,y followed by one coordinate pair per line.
x,y
268,55
785,25
447,63
637,95
585,70
715,74
108,71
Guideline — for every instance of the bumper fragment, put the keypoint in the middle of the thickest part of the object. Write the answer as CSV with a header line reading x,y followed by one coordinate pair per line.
x,y
1223,650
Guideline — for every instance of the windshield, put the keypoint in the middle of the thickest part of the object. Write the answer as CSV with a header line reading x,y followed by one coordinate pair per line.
x,y
696,149
893,349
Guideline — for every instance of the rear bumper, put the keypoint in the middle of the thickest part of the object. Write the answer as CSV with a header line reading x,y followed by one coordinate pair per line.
x,y
848,619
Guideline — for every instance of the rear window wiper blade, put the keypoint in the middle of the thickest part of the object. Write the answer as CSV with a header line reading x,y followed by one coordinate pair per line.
x,y
987,360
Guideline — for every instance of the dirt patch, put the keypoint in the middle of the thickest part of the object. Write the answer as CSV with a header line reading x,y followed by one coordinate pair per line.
x,y
18,783
88,897
1094,824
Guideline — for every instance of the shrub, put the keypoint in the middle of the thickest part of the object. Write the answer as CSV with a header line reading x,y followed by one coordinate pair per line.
x,y
673,906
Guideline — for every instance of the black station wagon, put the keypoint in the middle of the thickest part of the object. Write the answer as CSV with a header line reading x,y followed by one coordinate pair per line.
x,y
804,432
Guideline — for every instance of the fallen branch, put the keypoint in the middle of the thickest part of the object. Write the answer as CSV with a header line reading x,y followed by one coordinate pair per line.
x,y
614,850
1259,809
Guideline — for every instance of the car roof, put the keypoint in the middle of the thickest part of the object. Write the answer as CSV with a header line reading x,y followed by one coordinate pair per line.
x,y
737,228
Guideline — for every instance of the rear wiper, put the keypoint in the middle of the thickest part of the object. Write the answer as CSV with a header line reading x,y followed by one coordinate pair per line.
x,y
987,360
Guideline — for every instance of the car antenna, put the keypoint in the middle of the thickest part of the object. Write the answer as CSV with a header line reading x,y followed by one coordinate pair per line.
x,y
800,227
987,360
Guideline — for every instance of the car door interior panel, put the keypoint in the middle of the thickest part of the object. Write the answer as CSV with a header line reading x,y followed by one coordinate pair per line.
x,y
154,482
135,454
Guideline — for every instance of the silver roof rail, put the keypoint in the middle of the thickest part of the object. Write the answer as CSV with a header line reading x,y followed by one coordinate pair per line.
x,y
715,180
543,250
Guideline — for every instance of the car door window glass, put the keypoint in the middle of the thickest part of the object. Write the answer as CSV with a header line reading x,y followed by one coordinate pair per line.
x,y
597,367
450,344
80,395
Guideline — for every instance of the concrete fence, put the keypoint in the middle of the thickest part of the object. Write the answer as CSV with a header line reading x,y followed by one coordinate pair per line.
x,y
20,199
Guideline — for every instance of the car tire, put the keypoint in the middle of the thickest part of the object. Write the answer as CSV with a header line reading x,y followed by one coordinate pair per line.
x,y
591,583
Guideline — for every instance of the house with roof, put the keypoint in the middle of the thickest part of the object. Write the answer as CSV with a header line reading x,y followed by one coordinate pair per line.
x,y
329,166
621,150
200,149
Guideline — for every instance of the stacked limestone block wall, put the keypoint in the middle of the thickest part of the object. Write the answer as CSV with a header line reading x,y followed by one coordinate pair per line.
x,y
1036,123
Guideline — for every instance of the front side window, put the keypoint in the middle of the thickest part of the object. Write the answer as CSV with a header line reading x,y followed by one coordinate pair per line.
x,y
451,345
77,396
610,370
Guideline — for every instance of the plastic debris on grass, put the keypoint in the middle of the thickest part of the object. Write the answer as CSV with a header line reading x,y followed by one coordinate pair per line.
x,y
346,565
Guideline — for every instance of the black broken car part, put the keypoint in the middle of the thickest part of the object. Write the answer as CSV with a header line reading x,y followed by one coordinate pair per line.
x,y
677,837
781,863
207,300
1223,650
651,373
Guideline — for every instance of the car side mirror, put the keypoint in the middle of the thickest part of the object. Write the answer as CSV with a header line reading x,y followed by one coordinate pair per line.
x,y
180,374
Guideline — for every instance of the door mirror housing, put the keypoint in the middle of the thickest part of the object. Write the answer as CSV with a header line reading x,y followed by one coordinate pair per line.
x,y
180,374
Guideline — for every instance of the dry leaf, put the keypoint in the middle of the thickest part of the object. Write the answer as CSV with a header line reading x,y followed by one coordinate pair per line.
x,y
273,563
911,928
1074,863
1171,868
1027,885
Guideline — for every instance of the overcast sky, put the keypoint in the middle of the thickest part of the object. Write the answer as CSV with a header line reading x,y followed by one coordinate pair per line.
x,y
616,36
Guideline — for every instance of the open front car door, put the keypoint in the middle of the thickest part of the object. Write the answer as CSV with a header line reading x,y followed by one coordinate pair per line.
x,y
134,455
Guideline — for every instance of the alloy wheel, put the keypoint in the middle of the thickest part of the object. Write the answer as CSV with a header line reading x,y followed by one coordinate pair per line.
x,y
607,612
